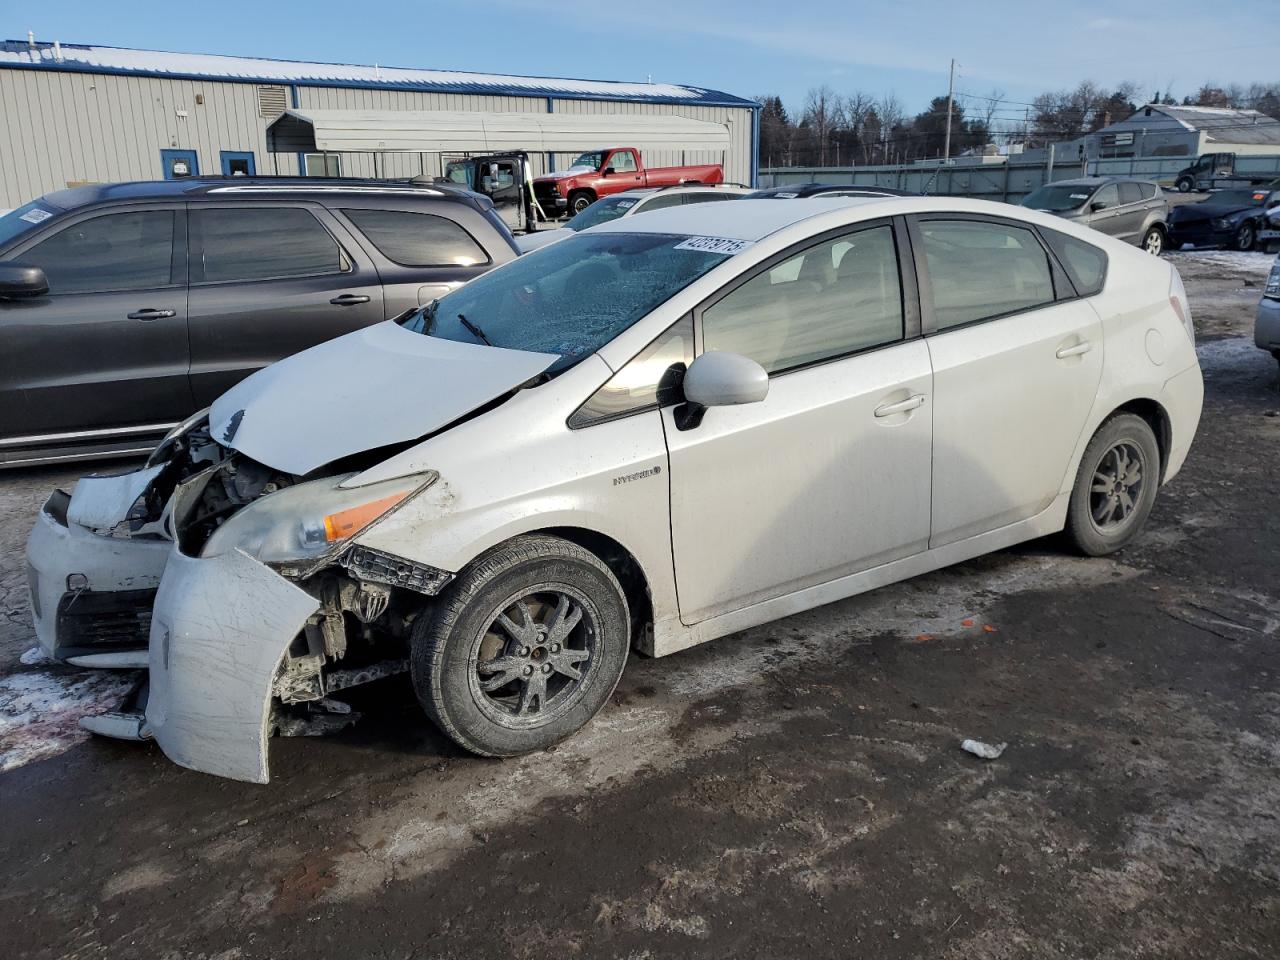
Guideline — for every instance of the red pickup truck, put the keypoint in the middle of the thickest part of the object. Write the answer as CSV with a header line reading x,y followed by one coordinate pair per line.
x,y
598,173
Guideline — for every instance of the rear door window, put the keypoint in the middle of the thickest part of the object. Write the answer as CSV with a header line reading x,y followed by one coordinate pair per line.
x,y
265,243
418,239
979,270
1148,190
118,251
1130,192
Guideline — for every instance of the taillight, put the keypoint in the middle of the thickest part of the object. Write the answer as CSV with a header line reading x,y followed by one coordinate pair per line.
x,y
1178,301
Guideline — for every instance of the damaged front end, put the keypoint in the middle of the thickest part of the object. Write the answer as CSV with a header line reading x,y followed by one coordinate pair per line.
x,y
259,604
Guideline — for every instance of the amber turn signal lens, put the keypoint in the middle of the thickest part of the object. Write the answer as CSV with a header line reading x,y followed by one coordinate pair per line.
x,y
340,525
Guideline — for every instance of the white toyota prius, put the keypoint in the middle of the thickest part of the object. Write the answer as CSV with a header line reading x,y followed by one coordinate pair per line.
x,y
657,432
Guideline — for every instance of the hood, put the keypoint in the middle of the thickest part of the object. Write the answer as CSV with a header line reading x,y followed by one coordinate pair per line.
x,y
380,385
527,242
564,174
1195,212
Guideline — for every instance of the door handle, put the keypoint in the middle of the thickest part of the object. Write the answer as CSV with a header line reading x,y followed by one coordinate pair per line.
x,y
901,406
151,314
349,300
1079,349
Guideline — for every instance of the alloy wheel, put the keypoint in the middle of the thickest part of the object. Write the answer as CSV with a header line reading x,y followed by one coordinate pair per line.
x,y
1244,239
1117,486
533,659
1154,243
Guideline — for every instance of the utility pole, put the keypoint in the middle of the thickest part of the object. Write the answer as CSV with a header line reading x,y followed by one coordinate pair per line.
x,y
951,93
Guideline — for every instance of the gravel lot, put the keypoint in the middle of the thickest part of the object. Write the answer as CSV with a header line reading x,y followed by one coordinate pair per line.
x,y
796,789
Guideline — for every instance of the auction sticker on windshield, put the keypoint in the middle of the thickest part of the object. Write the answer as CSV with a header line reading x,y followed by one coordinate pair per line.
x,y
36,216
714,245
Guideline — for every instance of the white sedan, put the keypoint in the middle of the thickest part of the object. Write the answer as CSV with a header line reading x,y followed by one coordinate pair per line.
x,y
628,204
657,432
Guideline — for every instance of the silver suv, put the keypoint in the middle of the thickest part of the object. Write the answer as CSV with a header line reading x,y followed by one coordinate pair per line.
x,y
1131,210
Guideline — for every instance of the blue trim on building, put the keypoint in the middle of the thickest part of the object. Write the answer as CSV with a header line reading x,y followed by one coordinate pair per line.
x,y
166,163
755,146
703,97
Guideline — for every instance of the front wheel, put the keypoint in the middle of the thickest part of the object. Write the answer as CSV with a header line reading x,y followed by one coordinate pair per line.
x,y
523,649
579,201
1153,241
1115,486
1245,237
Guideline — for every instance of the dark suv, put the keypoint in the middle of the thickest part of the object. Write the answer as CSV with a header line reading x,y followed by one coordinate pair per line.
x,y
126,307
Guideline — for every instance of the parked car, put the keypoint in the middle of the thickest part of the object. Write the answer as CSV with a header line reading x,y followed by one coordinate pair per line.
x,y
801,191
1131,210
628,204
1269,235
1266,329
662,430
599,173
1217,171
1227,218
126,307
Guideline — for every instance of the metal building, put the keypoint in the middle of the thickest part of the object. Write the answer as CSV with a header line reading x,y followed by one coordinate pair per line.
x,y
80,114
1169,130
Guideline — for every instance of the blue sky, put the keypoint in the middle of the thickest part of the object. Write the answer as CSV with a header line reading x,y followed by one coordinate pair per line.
x,y
748,47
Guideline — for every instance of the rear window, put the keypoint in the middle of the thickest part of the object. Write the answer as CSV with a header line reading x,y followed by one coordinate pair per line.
x,y
1085,264
418,239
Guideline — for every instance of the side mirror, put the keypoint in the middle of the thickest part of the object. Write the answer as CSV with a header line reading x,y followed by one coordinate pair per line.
x,y
609,171
19,281
719,379
1098,205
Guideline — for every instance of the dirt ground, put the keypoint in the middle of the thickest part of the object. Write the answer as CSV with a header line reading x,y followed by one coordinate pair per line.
x,y
794,790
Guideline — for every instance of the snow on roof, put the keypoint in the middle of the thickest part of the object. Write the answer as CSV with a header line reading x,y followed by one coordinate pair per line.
x,y
1220,124
95,59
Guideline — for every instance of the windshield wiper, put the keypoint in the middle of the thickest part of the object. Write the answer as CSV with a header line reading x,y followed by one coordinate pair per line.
x,y
474,330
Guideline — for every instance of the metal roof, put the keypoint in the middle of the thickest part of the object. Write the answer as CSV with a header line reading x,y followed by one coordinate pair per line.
x,y
1219,124
473,130
84,58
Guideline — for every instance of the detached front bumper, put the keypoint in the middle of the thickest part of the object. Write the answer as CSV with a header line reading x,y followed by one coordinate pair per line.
x,y
219,631
91,595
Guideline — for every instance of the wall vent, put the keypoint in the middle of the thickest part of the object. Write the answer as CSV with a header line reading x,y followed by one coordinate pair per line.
x,y
271,102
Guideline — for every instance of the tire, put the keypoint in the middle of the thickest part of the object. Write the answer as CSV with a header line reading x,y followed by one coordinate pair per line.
x,y
1185,184
1246,237
1153,241
1093,527
579,200
450,648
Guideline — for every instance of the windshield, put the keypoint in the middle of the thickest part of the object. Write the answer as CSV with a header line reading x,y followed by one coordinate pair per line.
x,y
460,171
17,222
602,211
1237,198
572,297
588,161
1056,199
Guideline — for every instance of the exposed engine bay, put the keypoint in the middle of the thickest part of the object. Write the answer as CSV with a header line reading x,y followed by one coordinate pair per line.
x,y
368,600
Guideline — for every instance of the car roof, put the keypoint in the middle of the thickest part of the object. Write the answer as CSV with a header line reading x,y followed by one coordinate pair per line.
x,y
817,189
754,219
1097,181
198,187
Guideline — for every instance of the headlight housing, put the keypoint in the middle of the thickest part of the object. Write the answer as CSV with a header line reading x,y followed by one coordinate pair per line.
x,y
1221,223
1272,288
307,521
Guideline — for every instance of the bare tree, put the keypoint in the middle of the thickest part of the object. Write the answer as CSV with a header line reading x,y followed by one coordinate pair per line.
x,y
820,118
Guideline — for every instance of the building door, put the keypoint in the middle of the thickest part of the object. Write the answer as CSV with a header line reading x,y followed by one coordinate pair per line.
x,y
238,163
176,164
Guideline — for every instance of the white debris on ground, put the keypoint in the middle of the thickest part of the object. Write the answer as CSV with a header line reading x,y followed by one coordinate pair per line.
x,y
1253,264
40,712
986,751
34,656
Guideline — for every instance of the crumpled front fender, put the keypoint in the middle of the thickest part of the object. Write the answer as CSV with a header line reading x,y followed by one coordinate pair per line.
x,y
219,630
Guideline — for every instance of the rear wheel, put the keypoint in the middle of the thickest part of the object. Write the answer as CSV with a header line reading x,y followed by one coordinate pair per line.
x,y
1246,236
1115,486
1153,241
523,648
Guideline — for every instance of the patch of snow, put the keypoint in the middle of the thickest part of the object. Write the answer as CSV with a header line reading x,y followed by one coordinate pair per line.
x,y
34,656
1230,355
1250,264
40,711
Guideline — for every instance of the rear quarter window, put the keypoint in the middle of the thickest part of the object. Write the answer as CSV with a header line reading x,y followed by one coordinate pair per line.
x,y
1085,264
418,239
